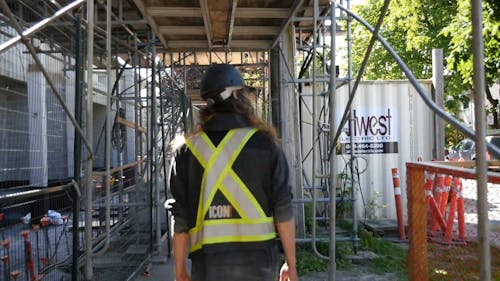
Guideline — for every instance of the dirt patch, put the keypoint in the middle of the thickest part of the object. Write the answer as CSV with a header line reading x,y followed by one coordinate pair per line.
x,y
459,262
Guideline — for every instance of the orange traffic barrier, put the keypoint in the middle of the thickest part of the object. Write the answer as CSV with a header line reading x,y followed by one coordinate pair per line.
x,y
453,208
399,204
429,182
445,194
460,211
429,199
438,191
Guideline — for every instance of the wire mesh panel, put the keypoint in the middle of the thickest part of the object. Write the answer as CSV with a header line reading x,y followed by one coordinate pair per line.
x,y
14,136
35,233
130,240
32,129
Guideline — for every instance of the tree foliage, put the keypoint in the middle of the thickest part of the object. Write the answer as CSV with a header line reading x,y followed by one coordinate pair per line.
x,y
415,27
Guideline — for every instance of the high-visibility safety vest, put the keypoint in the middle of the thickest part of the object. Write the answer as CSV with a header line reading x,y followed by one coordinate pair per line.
x,y
227,210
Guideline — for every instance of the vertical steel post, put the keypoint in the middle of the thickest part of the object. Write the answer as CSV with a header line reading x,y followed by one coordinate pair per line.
x,y
90,137
137,108
149,146
481,164
154,148
333,164
313,123
438,86
77,144
109,122
351,139
314,128
163,103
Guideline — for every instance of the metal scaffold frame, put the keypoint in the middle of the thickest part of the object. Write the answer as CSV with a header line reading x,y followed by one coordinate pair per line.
x,y
332,132
162,108
145,107
317,119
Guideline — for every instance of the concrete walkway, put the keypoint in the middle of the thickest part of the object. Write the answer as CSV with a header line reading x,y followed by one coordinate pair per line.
x,y
161,268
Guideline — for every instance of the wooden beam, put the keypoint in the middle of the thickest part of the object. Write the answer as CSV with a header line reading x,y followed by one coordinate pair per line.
x,y
177,30
187,44
297,5
262,13
256,30
235,45
251,44
185,12
130,124
417,225
231,21
149,18
206,19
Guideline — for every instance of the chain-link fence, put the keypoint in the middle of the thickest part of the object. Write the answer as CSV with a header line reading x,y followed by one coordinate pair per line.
x,y
36,233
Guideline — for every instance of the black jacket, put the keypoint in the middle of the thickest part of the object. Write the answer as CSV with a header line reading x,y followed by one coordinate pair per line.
x,y
261,165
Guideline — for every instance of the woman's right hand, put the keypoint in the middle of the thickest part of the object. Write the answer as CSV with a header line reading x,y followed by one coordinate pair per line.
x,y
288,273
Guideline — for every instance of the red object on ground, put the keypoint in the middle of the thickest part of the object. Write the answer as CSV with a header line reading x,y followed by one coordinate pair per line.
x,y
15,274
6,243
25,234
45,221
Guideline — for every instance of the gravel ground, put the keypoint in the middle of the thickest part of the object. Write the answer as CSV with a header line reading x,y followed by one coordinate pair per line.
x,y
470,202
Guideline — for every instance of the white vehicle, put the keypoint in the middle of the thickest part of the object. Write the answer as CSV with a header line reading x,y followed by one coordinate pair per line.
x,y
466,149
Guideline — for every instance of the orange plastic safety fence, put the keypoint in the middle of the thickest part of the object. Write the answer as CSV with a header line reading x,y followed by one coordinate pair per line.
x,y
443,223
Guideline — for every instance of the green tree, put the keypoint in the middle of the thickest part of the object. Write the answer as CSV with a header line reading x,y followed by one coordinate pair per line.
x,y
414,28
459,59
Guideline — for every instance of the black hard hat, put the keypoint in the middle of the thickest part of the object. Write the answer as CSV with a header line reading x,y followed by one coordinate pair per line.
x,y
217,78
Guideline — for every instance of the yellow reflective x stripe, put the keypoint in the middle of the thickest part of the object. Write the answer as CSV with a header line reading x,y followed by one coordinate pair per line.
x,y
238,221
228,185
246,205
229,232
253,224
213,179
207,154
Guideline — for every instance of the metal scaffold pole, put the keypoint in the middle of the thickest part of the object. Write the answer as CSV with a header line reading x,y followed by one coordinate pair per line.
x,y
109,124
314,132
77,144
90,136
154,143
332,266
37,27
481,164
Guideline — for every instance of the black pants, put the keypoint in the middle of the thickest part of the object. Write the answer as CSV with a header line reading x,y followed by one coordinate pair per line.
x,y
253,265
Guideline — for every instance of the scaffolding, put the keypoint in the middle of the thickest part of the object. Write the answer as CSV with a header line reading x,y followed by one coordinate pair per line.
x,y
101,99
107,120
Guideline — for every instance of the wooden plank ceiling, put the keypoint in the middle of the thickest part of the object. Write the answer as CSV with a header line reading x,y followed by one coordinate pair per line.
x,y
187,25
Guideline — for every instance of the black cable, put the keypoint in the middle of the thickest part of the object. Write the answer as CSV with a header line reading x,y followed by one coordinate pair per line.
x,y
354,180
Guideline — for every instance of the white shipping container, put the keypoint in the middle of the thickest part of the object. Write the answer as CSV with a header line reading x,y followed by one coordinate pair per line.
x,y
390,116
392,126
